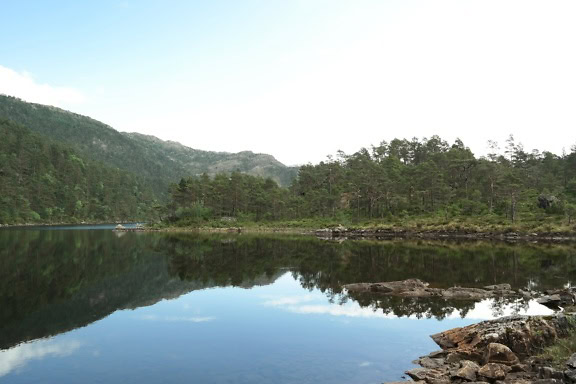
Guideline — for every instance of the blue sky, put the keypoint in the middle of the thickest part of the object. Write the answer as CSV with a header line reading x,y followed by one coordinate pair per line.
x,y
300,79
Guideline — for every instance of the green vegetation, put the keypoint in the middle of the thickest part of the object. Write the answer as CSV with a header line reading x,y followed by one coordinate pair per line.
x,y
559,352
418,184
41,181
158,162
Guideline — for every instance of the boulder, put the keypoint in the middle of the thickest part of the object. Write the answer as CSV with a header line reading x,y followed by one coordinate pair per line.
x,y
494,371
550,373
571,363
468,370
570,374
499,353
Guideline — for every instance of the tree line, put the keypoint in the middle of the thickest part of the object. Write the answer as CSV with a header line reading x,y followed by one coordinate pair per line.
x,y
396,179
43,181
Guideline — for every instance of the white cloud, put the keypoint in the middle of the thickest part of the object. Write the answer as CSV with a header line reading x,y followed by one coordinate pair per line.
x,y
24,86
15,358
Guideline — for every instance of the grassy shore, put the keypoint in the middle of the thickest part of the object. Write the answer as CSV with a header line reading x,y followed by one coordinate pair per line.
x,y
545,225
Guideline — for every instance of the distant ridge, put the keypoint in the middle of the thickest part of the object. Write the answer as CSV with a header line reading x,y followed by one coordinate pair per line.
x,y
159,162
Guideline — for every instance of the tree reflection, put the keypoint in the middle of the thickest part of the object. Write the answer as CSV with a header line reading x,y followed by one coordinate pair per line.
x,y
55,281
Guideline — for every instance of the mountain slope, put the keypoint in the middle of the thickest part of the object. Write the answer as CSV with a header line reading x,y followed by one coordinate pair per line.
x,y
158,161
196,162
43,181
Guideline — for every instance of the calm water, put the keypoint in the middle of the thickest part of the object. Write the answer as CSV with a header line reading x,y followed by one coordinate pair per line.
x,y
96,306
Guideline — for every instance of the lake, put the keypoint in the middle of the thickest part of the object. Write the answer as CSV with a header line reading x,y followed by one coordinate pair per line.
x,y
97,306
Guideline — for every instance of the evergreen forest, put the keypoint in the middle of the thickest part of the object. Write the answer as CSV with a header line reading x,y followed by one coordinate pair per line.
x,y
397,181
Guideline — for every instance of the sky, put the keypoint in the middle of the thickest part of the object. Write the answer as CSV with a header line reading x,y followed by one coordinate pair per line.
x,y
301,79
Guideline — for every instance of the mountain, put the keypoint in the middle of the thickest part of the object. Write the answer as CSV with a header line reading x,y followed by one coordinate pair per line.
x,y
159,162
196,162
44,181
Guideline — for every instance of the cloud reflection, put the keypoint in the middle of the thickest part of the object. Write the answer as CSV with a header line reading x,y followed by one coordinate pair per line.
x,y
177,318
483,310
17,357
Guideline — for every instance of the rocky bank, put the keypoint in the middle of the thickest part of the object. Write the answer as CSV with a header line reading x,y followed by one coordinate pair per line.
x,y
497,351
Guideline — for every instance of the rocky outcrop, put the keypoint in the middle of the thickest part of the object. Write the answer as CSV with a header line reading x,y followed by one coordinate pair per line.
x,y
418,288
559,298
496,351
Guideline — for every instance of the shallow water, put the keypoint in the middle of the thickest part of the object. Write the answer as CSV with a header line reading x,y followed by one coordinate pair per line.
x,y
103,307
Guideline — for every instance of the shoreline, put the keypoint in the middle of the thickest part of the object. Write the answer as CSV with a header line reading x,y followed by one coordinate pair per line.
x,y
379,234
510,349
504,350
341,233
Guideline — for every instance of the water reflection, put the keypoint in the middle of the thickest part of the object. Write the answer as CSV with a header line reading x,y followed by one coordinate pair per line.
x,y
16,358
56,281
483,310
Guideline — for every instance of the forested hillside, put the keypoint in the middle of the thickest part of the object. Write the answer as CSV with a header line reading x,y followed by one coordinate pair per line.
x,y
396,181
160,162
43,181
197,162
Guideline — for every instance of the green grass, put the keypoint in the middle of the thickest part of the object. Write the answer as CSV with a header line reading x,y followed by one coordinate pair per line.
x,y
559,352
434,223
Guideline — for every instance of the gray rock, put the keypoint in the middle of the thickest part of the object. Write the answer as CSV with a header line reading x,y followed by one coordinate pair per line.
x,y
425,374
427,362
572,361
549,300
570,374
550,373
548,381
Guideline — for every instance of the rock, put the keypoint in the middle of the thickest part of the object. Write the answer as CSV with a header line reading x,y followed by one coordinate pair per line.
x,y
572,361
520,368
494,371
570,374
398,382
426,374
468,370
396,287
556,299
466,293
455,358
550,373
499,353
548,381
427,362
498,287
437,354
522,334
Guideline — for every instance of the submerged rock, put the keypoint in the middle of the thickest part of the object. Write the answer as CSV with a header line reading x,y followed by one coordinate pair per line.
x,y
419,288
